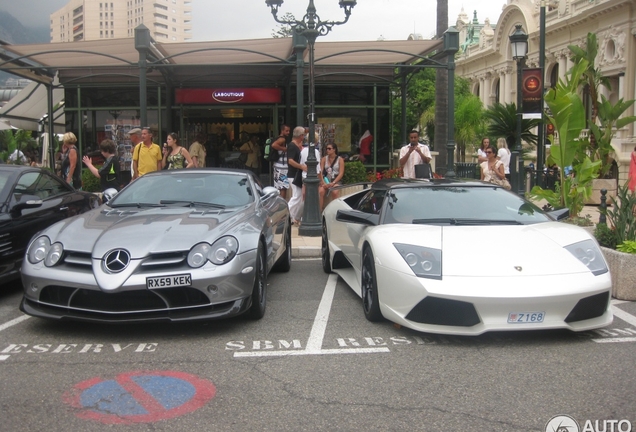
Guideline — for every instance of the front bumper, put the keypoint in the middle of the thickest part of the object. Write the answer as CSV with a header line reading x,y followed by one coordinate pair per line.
x,y
68,292
472,306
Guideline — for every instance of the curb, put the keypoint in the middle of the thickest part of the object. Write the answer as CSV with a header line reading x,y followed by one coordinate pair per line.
x,y
300,252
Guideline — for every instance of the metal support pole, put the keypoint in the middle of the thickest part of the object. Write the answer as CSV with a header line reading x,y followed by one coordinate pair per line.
x,y
403,92
541,134
51,127
516,160
451,46
142,44
311,224
300,43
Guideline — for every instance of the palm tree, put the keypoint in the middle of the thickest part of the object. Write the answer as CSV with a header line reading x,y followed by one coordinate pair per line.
x,y
503,123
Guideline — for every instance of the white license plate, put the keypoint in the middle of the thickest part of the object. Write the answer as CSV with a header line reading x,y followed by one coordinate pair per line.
x,y
180,280
525,317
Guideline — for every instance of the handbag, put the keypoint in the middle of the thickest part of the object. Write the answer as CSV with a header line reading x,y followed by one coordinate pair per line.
x,y
501,182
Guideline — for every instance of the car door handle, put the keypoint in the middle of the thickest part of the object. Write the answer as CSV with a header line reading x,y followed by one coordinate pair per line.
x,y
63,208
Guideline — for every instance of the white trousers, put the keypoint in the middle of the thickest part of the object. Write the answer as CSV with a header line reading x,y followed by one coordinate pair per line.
x,y
296,203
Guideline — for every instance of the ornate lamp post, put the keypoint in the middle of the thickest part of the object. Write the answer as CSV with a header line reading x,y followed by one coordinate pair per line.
x,y
311,27
519,47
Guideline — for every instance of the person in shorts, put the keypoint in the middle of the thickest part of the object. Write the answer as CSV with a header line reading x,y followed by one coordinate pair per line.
x,y
281,181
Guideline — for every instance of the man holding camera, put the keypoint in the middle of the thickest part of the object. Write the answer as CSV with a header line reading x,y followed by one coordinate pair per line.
x,y
413,154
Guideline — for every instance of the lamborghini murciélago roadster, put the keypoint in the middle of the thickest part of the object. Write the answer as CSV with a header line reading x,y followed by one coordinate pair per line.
x,y
464,257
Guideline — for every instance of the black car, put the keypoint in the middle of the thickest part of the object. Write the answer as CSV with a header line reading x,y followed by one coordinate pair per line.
x,y
32,199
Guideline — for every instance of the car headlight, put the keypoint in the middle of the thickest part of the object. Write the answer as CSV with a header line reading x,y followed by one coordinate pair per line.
x,y
54,255
41,249
425,262
221,252
38,249
589,254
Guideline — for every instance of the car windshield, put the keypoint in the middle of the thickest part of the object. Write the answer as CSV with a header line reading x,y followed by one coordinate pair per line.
x,y
184,188
460,206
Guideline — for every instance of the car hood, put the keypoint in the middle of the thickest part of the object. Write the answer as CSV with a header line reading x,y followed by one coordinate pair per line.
x,y
143,231
499,251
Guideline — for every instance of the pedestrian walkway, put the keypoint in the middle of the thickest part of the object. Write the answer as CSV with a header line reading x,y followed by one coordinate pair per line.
x,y
309,247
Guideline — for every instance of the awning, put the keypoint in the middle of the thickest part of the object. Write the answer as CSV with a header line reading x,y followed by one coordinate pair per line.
x,y
30,105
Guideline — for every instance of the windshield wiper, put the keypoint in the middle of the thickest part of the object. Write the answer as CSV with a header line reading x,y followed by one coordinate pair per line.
x,y
193,203
459,222
138,205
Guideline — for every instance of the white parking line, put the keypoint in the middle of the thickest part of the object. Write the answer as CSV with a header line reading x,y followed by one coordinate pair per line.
x,y
631,319
317,335
14,322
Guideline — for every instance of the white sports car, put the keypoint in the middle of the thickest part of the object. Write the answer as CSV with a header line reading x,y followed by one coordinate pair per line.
x,y
464,257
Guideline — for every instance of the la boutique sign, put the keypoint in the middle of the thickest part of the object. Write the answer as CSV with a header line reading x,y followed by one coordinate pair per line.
x,y
228,96
207,96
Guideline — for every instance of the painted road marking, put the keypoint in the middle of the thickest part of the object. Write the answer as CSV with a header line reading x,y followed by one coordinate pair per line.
x,y
317,334
139,397
14,322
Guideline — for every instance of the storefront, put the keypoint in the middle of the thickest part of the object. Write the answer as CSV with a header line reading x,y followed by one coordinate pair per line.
x,y
226,90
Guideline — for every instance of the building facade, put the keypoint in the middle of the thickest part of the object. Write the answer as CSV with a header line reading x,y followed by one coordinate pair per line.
x,y
85,20
486,60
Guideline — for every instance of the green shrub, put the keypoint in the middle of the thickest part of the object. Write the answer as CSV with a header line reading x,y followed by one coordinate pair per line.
x,y
355,172
628,247
90,183
621,216
605,236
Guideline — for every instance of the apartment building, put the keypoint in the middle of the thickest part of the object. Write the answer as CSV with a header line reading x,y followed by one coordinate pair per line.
x,y
82,20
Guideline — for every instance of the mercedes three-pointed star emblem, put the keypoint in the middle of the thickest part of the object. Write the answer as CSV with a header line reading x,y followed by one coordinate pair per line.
x,y
116,260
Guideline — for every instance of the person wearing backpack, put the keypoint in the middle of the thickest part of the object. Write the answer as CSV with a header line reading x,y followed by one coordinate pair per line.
x,y
281,182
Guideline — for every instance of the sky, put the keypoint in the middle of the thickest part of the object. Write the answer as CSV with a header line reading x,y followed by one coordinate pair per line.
x,y
252,19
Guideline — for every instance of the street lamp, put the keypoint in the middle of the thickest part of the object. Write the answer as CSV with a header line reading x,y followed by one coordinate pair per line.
x,y
311,27
519,47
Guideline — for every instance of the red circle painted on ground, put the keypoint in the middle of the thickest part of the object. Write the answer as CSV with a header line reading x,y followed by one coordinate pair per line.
x,y
205,391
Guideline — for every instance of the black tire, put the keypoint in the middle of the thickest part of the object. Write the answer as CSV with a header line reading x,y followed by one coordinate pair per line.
x,y
283,264
259,294
370,298
324,249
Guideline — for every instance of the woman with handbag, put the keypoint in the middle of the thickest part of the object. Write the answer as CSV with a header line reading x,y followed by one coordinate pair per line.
x,y
492,170
332,167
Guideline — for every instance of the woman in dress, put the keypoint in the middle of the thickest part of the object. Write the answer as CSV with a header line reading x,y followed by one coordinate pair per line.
x,y
503,153
632,171
70,167
492,169
175,156
332,167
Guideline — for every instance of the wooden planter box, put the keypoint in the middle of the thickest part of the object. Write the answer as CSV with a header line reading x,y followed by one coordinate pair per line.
x,y
623,269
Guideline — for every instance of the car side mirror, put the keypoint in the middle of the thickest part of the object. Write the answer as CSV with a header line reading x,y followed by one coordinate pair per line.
x,y
358,217
269,192
559,214
25,202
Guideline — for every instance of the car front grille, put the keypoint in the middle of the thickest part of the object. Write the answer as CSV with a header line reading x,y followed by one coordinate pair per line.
x,y
166,261
438,311
123,302
588,308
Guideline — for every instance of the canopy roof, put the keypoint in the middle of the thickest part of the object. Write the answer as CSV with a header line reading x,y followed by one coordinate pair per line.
x,y
251,62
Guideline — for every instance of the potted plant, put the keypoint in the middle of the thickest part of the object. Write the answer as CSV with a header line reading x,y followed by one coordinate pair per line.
x,y
618,243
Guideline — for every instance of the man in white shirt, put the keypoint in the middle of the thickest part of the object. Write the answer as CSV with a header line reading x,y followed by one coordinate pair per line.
x,y
17,154
413,154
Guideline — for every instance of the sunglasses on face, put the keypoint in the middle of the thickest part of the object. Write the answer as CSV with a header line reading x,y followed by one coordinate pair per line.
x,y
488,152
329,148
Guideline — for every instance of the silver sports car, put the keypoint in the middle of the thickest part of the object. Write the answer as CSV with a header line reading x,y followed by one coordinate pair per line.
x,y
173,245
464,257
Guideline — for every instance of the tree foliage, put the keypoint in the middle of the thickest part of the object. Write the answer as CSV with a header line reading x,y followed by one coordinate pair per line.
x,y
284,30
502,119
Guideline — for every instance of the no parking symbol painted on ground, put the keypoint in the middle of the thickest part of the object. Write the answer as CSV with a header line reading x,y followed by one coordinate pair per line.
x,y
139,397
